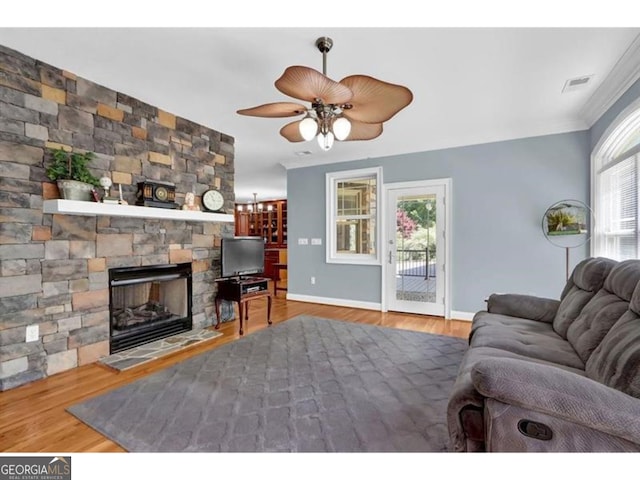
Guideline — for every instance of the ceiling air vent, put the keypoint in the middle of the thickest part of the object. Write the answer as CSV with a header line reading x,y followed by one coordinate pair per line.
x,y
577,83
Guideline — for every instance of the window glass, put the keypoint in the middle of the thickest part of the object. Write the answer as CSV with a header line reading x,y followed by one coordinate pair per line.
x,y
352,216
616,171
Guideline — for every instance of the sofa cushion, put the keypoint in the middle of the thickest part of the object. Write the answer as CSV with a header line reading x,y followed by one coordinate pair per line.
x,y
523,306
586,279
537,343
616,361
604,309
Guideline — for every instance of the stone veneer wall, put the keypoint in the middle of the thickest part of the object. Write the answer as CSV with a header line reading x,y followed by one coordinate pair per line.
x,y
54,268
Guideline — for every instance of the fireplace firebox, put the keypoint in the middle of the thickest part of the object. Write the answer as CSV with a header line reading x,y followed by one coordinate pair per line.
x,y
148,303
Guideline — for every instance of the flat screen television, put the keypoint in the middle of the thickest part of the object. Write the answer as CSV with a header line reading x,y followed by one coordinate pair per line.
x,y
242,256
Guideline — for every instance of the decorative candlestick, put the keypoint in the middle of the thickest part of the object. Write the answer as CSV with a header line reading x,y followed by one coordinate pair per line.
x,y
122,200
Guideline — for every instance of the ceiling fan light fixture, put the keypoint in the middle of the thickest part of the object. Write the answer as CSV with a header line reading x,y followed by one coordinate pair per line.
x,y
308,128
325,141
352,109
341,128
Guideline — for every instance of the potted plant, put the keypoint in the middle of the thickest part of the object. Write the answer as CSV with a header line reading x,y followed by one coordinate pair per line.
x,y
70,170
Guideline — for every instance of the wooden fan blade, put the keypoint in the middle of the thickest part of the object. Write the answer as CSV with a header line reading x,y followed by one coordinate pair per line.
x,y
375,101
363,131
305,83
291,131
275,110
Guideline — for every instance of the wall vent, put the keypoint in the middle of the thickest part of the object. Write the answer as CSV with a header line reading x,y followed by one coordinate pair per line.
x,y
577,83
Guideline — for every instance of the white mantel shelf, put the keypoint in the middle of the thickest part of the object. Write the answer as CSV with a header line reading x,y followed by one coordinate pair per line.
x,y
92,209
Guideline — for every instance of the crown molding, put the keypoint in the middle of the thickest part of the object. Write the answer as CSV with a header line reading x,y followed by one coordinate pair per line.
x,y
625,72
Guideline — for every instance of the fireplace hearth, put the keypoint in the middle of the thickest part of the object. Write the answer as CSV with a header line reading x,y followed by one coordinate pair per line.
x,y
148,303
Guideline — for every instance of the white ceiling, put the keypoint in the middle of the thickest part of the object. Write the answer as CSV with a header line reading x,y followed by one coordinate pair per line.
x,y
470,85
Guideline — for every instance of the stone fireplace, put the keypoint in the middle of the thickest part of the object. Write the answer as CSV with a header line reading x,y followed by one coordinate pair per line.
x,y
148,303
55,265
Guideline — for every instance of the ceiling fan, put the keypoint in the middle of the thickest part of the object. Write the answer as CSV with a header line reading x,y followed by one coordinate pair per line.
x,y
352,109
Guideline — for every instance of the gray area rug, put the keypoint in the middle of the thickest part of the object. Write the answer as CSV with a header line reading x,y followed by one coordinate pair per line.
x,y
308,384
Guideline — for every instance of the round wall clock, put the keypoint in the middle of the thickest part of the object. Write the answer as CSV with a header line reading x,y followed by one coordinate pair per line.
x,y
212,200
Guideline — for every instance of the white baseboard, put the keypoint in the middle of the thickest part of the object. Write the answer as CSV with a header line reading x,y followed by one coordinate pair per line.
x,y
342,302
467,316
338,302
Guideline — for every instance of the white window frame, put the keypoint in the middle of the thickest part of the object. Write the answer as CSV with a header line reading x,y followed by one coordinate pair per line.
x,y
607,153
332,255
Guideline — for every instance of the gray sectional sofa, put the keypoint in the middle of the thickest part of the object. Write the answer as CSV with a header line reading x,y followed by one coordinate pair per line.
x,y
554,375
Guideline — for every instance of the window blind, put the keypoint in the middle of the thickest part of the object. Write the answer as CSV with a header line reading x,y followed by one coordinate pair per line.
x,y
616,232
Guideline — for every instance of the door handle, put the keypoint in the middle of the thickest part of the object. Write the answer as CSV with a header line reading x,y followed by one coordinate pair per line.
x,y
390,257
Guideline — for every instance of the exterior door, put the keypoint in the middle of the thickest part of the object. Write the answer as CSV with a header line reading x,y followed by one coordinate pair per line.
x,y
415,271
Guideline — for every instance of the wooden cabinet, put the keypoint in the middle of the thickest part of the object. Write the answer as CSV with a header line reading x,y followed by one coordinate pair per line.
x,y
242,224
269,221
275,265
264,219
271,256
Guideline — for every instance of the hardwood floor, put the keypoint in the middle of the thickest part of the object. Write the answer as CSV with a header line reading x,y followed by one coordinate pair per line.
x,y
33,417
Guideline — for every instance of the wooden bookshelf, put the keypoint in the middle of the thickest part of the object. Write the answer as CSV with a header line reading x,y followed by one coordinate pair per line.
x,y
270,222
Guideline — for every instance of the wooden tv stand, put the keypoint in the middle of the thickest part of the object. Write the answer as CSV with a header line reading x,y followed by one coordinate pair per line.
x,y
242,290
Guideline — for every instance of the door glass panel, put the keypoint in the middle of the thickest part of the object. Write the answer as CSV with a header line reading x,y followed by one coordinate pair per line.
x,y
416,235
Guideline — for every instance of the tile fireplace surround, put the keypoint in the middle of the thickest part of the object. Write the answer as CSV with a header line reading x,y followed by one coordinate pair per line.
x,y
54,257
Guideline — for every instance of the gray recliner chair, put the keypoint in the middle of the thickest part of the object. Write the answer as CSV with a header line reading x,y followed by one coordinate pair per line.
x,y
548,375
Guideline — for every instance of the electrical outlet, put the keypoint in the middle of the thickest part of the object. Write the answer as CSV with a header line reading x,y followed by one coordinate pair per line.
x,y
313,280
303,241
316,241
33,333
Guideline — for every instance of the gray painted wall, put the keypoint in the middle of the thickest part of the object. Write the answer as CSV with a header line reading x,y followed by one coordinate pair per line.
x,y
500,192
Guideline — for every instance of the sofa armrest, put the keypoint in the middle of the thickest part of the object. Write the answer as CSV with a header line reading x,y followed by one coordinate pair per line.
x,y
560,393
523,306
